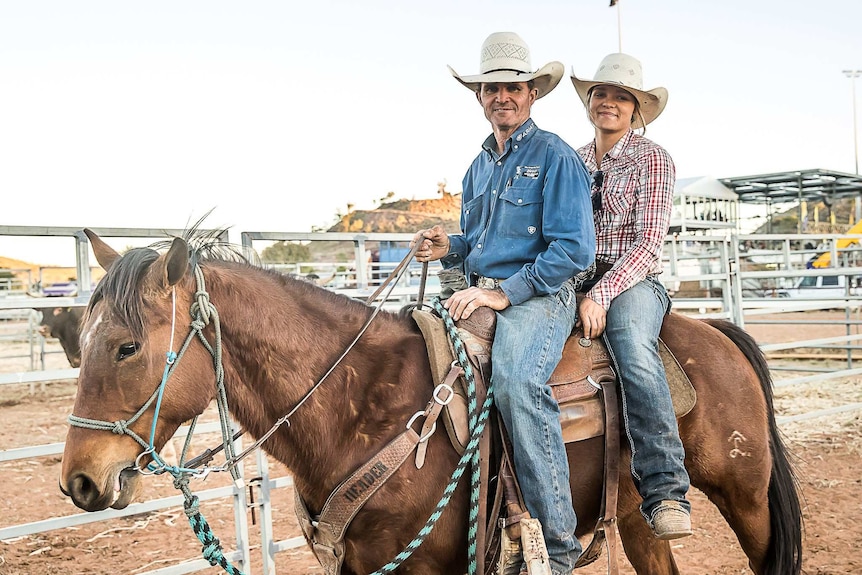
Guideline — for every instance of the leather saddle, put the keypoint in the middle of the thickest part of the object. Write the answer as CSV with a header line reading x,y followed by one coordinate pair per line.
x,y
584,385
575,383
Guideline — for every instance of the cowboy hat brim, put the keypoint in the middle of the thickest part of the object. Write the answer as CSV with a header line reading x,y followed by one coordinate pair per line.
x,y
651,102
545,78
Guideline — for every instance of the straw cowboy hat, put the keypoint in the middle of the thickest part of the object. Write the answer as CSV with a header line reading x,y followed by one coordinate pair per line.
x,y
506,58
625,71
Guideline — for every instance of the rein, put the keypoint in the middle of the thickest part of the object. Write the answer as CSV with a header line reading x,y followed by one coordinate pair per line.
x,y
396,274
477,421
203,312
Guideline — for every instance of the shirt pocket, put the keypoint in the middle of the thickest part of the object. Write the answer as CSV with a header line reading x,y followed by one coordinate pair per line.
x,y
620,191
521,207
473,218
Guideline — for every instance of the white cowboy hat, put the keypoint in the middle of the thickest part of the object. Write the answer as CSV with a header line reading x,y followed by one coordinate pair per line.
x,y
506,58
625,71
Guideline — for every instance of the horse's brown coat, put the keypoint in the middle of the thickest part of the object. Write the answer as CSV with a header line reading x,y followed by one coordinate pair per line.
x,y
281,335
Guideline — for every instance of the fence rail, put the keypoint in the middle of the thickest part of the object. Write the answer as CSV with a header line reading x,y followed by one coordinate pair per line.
x,y
726,276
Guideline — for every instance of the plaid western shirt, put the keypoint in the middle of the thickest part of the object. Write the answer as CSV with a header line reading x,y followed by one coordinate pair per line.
x,y
633,215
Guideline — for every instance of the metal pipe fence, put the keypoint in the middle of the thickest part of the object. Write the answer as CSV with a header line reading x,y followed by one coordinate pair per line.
x,y
708,276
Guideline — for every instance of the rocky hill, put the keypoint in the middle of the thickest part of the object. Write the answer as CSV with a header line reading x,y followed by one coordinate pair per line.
x,y
786,221
397,216
405,216
29,272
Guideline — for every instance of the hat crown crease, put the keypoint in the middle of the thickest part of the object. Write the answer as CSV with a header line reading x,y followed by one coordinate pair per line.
x,y
616,72
505,56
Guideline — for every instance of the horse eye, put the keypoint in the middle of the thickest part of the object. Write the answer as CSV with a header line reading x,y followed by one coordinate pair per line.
x,y
127,350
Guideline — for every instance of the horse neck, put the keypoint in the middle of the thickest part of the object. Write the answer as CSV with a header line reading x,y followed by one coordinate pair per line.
x,y
280,336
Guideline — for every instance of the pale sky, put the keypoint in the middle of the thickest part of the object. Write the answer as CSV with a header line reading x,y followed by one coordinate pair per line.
x,y
280,113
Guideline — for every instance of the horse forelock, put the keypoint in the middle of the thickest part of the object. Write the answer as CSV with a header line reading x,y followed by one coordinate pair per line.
x,y
207,245
121,289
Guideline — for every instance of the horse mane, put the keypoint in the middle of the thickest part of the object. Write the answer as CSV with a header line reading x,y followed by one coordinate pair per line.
x,y
121,285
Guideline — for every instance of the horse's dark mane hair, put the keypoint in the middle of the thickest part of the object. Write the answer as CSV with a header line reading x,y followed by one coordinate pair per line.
x,y
207,245
121,285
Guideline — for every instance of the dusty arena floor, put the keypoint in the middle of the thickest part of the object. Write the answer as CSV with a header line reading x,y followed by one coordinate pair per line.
x,y
828,455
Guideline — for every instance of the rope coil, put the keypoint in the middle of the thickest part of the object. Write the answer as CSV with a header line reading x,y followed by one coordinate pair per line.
x,y
202,314
477,420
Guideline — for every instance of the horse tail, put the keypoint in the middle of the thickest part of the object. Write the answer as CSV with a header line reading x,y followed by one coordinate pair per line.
x,y
784,555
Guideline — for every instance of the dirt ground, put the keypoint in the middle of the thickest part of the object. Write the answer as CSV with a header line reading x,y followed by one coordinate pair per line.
x,y
828,453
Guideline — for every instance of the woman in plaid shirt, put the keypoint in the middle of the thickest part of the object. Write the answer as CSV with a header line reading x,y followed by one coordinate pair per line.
x,y
632,195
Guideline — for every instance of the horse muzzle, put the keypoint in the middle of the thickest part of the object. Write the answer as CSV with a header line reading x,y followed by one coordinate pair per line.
x,y
91,495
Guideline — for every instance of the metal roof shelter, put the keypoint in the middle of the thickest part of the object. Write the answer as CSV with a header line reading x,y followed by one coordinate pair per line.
x,y
798,185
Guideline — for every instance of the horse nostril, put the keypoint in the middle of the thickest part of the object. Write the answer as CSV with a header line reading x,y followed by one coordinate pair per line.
x,y
84,492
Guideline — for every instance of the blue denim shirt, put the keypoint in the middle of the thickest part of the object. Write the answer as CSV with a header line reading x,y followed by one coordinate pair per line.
x,y
526,215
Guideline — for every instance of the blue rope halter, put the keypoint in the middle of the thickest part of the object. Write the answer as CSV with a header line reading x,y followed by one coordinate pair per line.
x,y
202,312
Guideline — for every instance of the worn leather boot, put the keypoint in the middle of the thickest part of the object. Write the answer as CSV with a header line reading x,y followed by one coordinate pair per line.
x,y
670,520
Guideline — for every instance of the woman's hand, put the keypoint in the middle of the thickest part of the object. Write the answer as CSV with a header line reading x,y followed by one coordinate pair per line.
x,y
592,318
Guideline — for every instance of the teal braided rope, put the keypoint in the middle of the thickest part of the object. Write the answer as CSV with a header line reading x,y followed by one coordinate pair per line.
x,y
470,454
212,549
472,448
202,313
475,475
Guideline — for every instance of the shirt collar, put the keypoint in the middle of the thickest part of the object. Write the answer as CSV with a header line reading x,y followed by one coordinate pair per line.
x,y
524,132
617,151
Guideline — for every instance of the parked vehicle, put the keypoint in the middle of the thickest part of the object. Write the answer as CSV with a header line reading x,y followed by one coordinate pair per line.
x,y
823,287
61,289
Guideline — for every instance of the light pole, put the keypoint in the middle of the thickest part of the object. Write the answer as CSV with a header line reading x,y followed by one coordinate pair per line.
x,y
853,74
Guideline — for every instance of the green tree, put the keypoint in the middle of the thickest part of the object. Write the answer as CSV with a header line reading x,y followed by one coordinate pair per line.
x,y
285,253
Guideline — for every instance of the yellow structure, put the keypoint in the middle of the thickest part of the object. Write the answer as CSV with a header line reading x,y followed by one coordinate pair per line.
x,y
825,259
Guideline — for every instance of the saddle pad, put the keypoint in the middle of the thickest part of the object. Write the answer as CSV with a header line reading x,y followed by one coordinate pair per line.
x,y
569,381
682,392
581,357
440,352
440,355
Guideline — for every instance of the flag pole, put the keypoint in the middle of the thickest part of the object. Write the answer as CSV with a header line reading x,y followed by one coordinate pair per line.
x,y
619,27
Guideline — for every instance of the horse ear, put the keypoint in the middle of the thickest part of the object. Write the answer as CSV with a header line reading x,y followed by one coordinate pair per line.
x,y
105,254
177,261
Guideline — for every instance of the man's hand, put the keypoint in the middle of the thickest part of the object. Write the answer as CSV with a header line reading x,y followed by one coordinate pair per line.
x,y
434,244
592,317
462,303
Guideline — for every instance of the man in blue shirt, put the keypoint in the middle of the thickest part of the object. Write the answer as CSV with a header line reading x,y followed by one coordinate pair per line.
x,y
527,236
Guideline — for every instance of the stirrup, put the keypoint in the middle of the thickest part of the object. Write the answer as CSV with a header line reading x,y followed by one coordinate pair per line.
x,y
511,557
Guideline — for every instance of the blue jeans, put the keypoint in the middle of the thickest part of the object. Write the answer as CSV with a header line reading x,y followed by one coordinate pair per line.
x,y
633,324
527,346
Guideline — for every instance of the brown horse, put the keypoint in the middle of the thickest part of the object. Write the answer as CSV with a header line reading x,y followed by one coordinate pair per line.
x,y
280,335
